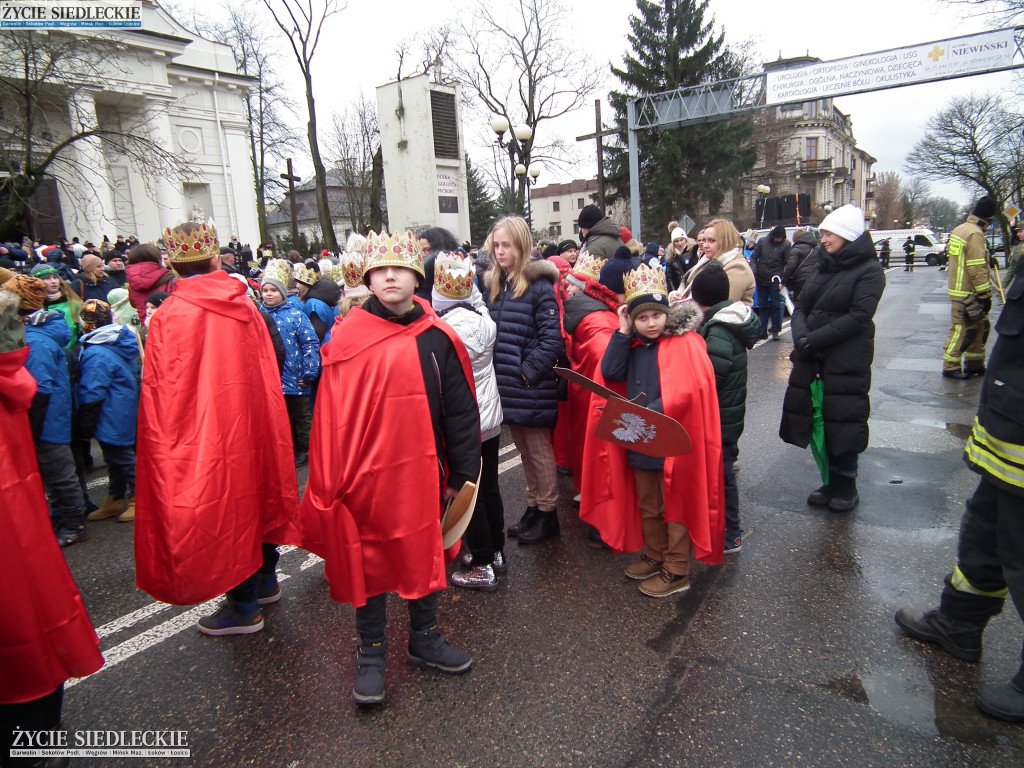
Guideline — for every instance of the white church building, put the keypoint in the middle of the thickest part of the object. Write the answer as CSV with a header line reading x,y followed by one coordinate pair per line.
x,y
193,98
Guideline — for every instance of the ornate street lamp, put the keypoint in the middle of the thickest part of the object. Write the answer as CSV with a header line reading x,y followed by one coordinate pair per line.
x,y
763,190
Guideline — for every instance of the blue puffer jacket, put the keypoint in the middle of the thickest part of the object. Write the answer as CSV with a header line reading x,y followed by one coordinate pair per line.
x,y
46,334
106,372
301,347
528,346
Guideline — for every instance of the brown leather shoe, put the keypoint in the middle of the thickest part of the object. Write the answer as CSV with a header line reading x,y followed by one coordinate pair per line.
x,y
112,507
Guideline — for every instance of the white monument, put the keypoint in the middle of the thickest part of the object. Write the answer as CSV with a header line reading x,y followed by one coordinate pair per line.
x,y
424,156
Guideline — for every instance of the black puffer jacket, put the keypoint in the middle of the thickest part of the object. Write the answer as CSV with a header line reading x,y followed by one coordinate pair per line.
x,y
802,260
834,313
529,344
676,266
769,259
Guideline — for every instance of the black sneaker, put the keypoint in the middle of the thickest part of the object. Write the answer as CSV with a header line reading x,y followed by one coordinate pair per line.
x,y
1004,702
71,534
429,648
267,589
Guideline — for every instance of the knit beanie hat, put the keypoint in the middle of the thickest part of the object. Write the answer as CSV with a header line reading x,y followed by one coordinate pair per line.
x,y
42,270
618,265
156,298
110,255
589,216
677,233
779,232
652,250
94,314
985,208
31,290
90,261
625,235
847,221
711,285
567,245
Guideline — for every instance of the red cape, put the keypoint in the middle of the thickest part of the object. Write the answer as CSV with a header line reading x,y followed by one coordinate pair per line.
x,y
215,469
45,635
585,348
694,485
372,505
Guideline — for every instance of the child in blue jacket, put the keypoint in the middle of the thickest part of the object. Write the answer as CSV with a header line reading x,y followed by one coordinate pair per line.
x,y
46,334
107,394
302,353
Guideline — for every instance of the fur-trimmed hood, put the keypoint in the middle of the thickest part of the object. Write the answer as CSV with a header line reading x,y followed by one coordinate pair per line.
x,y
683,316
535,269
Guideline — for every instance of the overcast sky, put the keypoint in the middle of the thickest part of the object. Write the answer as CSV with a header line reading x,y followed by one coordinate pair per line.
x,y
357,54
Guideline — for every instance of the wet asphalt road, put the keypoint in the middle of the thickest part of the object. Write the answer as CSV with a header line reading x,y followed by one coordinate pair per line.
x,y
786,655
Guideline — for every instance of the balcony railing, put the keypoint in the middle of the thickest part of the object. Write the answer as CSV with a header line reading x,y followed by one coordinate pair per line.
x,y
823,165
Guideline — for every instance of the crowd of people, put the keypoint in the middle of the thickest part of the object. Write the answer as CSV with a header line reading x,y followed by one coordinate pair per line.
x,y
410,339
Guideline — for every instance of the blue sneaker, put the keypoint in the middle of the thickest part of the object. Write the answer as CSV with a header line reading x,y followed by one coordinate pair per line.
x,y
230,621
732,543
267,590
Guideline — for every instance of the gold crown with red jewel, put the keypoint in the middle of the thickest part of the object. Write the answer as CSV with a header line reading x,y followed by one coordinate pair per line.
x,y
453,276
588,265
645,281
198,245
398,250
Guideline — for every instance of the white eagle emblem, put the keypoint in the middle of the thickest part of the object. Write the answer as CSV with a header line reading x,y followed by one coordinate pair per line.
x,y
633,428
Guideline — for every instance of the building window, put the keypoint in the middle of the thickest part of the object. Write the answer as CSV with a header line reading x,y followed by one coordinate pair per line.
x,y
555,228
812,110
579,203
853,163
555,206
811,149
446,128
575,227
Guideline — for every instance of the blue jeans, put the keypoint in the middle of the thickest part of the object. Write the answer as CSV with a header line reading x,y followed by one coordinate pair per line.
x,y
730,451
771,307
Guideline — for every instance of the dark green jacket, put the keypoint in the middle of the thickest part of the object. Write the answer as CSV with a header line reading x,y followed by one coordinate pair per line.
x,y
730,329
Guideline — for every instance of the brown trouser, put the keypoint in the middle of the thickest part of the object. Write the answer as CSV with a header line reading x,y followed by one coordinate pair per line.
x,y
667,543
965,346
538,455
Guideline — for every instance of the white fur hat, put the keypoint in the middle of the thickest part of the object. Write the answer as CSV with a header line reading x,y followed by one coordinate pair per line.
x,y
846,221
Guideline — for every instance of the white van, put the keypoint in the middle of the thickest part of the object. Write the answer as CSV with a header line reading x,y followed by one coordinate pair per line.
x,y
929,246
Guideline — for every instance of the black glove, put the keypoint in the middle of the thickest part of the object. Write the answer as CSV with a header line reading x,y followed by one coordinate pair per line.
x,y
803,345
986,303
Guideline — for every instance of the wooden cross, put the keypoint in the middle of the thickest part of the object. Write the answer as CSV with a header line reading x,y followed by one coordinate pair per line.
x,y
599,133
291,178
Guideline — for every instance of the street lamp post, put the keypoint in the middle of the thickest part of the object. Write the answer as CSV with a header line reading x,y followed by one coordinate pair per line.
x,y
534,172
519,147
763,190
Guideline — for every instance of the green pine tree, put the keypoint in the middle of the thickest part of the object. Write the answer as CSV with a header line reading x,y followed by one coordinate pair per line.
x,y
687,169
483,211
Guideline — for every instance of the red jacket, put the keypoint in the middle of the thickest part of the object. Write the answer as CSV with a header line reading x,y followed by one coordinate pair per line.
x,y
216,471
145,278
45,634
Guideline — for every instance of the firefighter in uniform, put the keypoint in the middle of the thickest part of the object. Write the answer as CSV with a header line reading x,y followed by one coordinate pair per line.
x,y
990,553
968,278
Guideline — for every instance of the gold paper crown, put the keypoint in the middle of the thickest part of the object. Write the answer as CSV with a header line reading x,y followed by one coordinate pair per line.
x,y
198,245
588,265
306,275
335,273
352,268
398,250
646,281
280,271
453,276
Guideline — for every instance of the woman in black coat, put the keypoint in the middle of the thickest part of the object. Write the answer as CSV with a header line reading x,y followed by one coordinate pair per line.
x,y
834,334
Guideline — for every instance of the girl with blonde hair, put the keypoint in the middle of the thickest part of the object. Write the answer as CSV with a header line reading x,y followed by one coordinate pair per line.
x,y
520,294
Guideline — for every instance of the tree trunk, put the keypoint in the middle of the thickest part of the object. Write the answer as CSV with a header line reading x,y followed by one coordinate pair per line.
x,y
376,190
319,172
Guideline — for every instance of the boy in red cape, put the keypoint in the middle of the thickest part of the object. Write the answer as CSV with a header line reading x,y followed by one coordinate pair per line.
x,y
396,428
216,487
45,636
674,505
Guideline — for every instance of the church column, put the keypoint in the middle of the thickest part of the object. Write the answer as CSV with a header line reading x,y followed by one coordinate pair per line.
x,y
91,205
